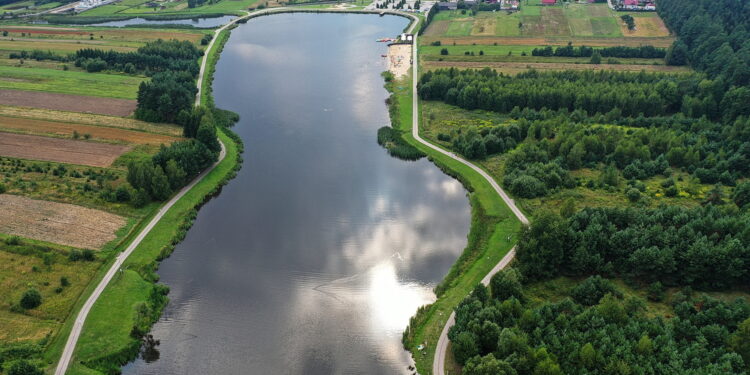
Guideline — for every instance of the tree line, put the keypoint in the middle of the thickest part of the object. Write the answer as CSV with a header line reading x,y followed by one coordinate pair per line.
x,y
500,331
175,165
643,52
593,92
156,56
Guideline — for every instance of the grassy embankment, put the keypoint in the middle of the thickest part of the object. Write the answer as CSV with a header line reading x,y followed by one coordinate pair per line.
x,y
492,226
105,344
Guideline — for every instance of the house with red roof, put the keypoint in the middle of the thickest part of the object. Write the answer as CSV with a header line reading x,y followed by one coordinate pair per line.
x,y
549,2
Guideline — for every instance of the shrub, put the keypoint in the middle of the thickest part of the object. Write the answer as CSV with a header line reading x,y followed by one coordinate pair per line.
x,y
656,292
633,195
592,290
444,51
13,241
23,367
31,299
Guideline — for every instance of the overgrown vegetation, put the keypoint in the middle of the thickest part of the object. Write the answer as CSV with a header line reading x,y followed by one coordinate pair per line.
x,y
391,137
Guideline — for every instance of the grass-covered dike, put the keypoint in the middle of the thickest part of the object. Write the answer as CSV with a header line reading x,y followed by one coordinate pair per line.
x,y
134,301
491,236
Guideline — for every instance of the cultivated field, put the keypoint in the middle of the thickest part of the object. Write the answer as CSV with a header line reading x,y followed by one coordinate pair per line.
x,y
66,130
67,102
90,119
504,40
60,223
59,150
70,82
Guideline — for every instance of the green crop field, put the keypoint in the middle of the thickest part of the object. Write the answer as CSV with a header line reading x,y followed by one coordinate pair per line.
x,y
70,82
575,20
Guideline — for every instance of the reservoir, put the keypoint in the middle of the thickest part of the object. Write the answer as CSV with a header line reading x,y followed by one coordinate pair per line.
x,y
313,259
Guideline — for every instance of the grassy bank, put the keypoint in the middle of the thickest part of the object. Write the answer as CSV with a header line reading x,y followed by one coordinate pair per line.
x,y
106,340
491,236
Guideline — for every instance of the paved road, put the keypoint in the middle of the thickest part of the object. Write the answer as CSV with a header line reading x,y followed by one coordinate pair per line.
x,y
438,364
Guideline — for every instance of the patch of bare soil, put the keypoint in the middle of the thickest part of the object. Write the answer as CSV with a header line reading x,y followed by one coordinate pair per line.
x,y
61,223
67,102
59,150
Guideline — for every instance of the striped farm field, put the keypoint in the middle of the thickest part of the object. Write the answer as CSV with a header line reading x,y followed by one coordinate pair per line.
x,y
66,130
70,82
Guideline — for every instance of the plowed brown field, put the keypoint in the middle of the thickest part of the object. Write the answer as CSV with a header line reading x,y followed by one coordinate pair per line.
x,y
67,102
59,150
42,127
60,223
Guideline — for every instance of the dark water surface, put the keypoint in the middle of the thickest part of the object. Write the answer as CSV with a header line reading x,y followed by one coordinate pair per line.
x,y
196,22
313,259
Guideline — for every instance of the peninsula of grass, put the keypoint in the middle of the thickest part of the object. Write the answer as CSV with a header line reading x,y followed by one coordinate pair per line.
x,y
491,236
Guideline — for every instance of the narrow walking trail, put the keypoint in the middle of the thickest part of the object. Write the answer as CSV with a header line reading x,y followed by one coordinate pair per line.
x,y
75,333
438,364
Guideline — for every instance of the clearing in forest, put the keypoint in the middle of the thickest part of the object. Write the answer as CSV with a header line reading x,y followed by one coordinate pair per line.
x,y
60,223
646,27
60,150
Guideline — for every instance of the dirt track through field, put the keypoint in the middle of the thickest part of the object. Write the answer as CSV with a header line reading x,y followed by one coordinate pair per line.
x,y
61,223
513,68
67,102
59,150
64,129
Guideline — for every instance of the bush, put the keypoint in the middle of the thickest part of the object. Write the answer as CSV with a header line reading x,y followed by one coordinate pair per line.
x,y
13,241
85,255
31,299
444,51
3,189
671,191
23,367
633,195
656,292
592,290
64,281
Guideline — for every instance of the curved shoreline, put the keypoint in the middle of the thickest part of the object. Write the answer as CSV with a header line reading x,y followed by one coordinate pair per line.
x,y
438,364
415,21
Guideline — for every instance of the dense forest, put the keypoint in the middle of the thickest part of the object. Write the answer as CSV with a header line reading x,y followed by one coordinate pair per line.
x,y
707,248
501,332
630,127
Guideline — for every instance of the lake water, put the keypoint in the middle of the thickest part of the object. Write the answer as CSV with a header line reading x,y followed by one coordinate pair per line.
x,y
314,258
196,22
